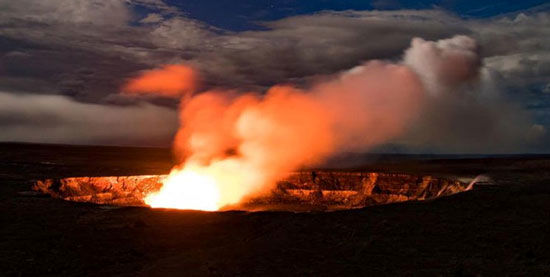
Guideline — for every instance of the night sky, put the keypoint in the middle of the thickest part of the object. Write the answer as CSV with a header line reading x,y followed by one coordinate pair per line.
x,y
248,14
63,63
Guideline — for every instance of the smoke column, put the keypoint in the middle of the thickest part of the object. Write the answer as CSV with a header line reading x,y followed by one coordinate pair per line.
x,y
244,142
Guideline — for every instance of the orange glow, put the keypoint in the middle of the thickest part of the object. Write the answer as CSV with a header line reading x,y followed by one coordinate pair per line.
x,y
171,80
266,143
206,188
186,189
232,146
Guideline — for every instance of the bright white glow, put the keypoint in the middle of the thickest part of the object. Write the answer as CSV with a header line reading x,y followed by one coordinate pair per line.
x,y
187,190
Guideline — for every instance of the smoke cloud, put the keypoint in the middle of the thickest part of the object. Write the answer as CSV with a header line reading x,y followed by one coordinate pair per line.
x,y
236,144
247,140
172,81
464,110
444,65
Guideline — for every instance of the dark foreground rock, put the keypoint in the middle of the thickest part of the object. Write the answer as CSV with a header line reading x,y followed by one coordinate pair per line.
x,y
493,230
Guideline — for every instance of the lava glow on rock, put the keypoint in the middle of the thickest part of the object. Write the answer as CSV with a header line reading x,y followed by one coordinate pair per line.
x,y
202,188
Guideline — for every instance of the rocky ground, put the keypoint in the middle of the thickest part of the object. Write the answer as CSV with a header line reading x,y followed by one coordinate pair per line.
x,y
503,229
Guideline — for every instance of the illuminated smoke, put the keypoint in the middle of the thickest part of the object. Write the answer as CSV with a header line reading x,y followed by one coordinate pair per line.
x,y
171,80
244,142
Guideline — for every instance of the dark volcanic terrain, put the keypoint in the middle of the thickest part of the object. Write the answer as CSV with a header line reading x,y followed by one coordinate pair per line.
x,y
498,229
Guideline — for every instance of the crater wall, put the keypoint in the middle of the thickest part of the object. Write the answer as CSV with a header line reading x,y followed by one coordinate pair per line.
x,y
335,189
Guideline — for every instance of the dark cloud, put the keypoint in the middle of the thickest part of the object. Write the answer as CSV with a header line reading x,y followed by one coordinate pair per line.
x,y
85,50
59,119
302,46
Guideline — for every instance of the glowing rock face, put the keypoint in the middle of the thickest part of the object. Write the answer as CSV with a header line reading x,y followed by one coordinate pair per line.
x,y
193,189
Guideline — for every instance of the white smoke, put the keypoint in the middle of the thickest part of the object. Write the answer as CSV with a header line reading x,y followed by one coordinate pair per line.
x,y
465,110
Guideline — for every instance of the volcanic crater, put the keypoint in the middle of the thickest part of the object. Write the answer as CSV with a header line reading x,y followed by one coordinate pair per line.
x,y
297,191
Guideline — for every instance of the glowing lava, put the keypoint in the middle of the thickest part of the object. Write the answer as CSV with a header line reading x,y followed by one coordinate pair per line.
x,y
187,188
207,187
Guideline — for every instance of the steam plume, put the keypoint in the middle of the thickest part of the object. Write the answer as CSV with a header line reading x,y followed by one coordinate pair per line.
x,y
464,110
246,141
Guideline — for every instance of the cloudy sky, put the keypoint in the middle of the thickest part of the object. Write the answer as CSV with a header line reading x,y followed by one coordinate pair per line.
x,y
63,63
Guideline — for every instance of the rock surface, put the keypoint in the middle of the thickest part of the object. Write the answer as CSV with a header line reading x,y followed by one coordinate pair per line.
x,y
113,190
